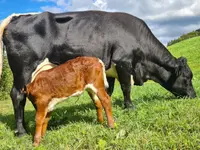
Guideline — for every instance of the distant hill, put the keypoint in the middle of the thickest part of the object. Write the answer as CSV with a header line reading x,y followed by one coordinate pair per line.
x,y
190,49
185,36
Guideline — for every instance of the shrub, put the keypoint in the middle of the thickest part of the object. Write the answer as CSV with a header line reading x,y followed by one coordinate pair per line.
x,y
6,81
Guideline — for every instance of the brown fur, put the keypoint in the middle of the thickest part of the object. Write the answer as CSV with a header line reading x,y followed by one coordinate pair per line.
x,y
63,81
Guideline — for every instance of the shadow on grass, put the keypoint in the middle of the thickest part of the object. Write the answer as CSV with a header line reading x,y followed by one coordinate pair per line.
x,y
145,98
75,113
60,116
153,97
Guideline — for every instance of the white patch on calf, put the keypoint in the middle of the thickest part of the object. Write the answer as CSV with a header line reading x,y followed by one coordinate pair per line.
x,y
45,65
94,96
91,87
104,74
54,101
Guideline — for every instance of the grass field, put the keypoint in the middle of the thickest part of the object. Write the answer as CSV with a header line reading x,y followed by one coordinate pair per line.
x,y
160,121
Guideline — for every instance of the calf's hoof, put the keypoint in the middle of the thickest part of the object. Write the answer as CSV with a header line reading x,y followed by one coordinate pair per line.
x,y
35,144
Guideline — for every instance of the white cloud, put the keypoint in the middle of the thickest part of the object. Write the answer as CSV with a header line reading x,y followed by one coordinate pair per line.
x,y
53,9
101,4
168,19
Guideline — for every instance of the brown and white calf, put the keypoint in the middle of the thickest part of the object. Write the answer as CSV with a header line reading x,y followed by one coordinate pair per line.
x,y
52,86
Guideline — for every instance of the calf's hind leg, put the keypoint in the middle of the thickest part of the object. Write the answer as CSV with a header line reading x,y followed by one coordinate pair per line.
x,y
106,103
98,106
41,114
45,124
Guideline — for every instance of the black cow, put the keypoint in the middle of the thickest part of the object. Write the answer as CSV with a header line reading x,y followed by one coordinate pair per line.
x,y
115,38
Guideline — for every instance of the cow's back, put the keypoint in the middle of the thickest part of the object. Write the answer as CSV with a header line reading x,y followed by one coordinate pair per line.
x,y
61,37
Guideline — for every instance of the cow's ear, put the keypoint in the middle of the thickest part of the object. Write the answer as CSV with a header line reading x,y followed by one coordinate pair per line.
x,y
138,56
138,70
138,74
182,61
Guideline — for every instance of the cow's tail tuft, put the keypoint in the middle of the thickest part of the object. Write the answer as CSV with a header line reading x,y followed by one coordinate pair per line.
x,y
104,74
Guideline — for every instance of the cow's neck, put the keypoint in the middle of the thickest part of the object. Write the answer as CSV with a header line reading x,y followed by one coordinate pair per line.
x,y
157,53
158,73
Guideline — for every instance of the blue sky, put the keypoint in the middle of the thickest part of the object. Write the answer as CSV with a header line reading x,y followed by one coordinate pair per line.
x,y
8,7
167,19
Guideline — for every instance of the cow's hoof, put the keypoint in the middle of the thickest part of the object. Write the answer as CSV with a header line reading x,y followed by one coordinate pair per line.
x,y
21,133
129,106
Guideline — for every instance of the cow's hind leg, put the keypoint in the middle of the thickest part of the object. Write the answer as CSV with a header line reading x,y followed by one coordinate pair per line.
x,y
19,101
111,82
98,106
125,82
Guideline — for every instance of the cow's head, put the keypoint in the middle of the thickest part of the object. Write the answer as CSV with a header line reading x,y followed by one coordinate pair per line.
x,y
178,81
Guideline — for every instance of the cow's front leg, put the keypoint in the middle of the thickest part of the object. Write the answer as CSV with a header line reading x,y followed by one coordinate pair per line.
x,y
125,82
19,101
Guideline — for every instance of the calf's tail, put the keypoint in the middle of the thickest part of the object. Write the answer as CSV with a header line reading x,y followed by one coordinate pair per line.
x,y
104,74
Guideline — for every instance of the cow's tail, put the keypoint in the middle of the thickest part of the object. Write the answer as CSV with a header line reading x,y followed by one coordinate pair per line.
x,y
104,74
3,25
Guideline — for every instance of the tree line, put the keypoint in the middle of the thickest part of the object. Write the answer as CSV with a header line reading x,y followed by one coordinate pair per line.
x,y
184,37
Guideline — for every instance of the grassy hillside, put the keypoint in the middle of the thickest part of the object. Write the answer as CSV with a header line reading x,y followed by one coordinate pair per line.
x,y
160,121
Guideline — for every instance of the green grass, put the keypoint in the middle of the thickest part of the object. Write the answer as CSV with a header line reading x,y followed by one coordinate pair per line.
x,y
160,120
